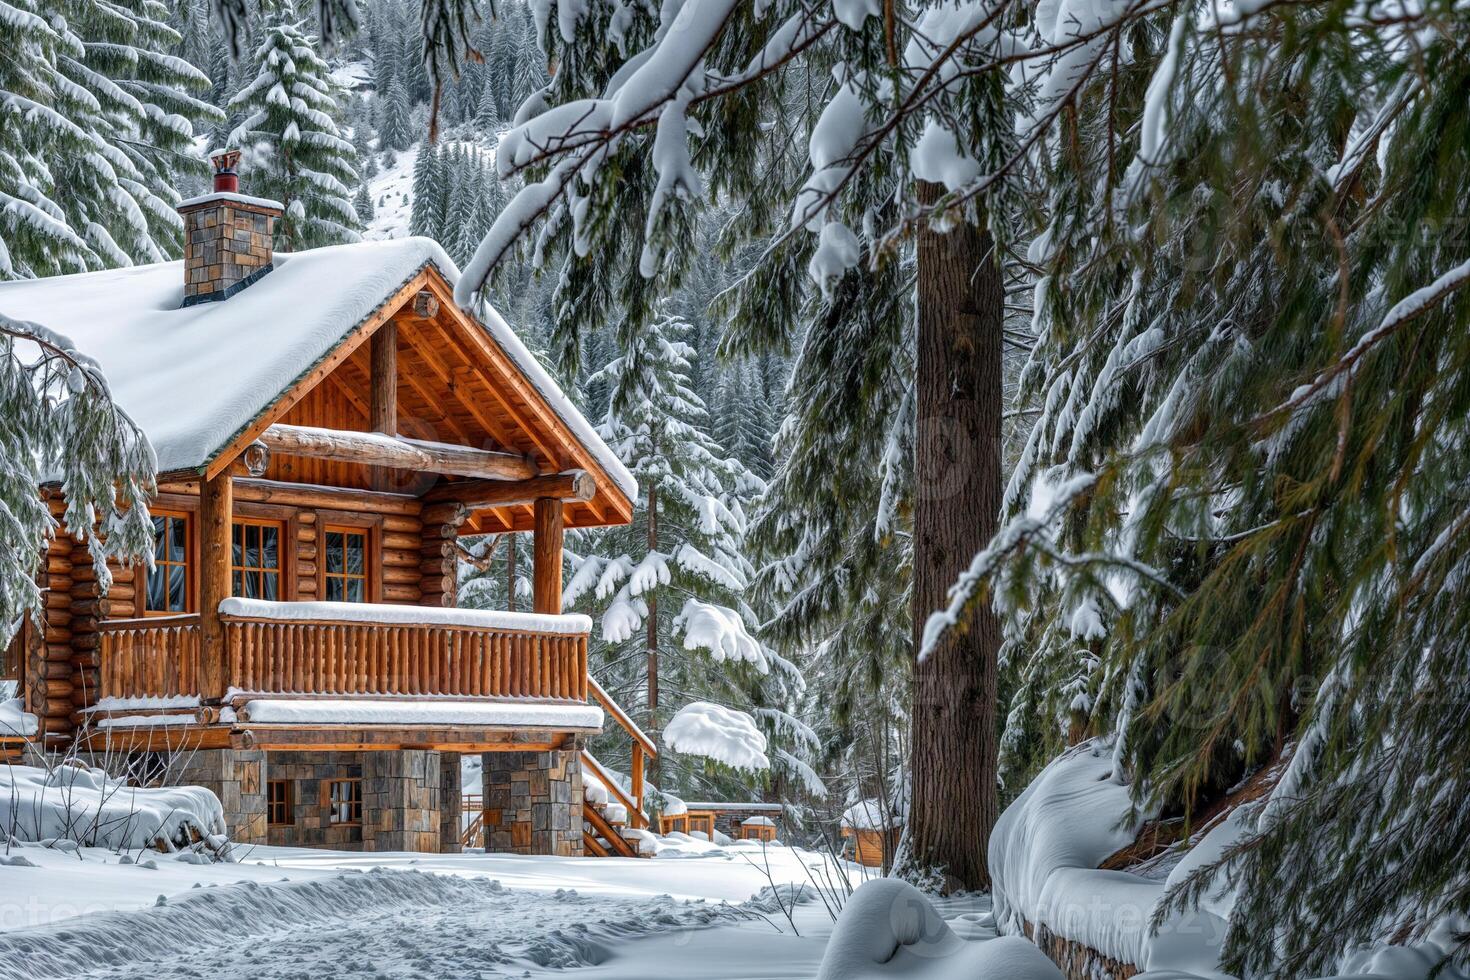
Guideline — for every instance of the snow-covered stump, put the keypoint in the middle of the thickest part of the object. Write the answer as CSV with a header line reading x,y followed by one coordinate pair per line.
x,y
1078,961
533,802
238,778
402,799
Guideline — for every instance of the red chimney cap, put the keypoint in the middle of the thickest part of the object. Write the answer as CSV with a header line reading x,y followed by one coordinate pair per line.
x,y
226,180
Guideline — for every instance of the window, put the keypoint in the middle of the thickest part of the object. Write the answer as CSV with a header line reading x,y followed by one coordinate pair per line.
x,y
280,803
346,565
257,559
169,586
344,801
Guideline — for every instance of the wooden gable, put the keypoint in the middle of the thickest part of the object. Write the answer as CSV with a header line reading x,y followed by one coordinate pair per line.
x,y
455,385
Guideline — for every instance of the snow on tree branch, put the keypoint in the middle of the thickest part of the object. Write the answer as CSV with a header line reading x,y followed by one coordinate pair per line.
x,y
58,424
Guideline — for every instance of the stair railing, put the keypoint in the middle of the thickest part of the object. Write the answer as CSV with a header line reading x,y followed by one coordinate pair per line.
x,y
644,750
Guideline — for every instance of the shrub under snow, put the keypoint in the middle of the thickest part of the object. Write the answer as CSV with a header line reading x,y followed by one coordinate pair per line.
x,y
73,803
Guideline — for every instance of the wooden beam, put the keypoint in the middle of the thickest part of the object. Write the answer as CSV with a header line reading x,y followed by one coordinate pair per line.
x,y
324,367
468,335
546,556
256,459
377,449
216,507
576,485
383,380
307,495
425,305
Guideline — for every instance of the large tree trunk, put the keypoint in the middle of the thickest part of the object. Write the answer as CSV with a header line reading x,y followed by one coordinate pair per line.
x,y
956,509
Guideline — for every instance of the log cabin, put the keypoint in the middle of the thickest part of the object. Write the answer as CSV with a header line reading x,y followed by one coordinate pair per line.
x,y
328,424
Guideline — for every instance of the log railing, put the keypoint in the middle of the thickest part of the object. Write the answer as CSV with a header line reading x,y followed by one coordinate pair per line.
x,y
160,657
157,657
356,658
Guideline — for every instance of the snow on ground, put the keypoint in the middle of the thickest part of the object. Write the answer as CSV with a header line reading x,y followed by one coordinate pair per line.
x,y
293,912
392,193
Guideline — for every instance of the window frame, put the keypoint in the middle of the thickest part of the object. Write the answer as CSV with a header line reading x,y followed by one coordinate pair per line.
x,y
370,581
288,803
241,521
190,565
354,806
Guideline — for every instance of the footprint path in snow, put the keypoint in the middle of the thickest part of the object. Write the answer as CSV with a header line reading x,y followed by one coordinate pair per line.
x,y
378,924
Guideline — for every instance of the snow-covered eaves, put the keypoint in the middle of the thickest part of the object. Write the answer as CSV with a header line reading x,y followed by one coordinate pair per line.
x,y
509,715
196,378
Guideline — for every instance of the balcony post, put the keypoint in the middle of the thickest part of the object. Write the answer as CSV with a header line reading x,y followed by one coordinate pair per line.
x,y
216,508
546,556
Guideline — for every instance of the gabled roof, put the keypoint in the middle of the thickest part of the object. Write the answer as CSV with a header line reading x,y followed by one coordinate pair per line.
x,y
196,379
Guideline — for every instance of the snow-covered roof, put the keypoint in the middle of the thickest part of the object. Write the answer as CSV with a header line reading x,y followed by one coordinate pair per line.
x,y
195,377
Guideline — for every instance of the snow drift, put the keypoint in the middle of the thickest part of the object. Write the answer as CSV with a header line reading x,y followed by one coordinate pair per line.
x,y
1044,857
88,807
889,929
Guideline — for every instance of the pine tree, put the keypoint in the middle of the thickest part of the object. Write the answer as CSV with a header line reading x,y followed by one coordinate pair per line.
x,y
57,418
395,128
363,205
97,131
530,71
679,568
428,192
304,162
362,145
837,180
487,114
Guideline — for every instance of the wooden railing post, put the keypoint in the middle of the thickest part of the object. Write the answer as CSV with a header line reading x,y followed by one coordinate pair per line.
x,y
637,776
216,507
546,554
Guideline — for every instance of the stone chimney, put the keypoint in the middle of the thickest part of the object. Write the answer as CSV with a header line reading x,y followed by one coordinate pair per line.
x,y
227,236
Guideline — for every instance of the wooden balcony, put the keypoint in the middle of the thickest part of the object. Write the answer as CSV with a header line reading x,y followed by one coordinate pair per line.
x,y
369,652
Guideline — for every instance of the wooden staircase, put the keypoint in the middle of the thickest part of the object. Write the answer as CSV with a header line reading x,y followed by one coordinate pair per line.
x,y
602,834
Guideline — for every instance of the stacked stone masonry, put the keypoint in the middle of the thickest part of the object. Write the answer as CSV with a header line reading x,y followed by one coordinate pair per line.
x,y
228,244
533,802
411,799
237,777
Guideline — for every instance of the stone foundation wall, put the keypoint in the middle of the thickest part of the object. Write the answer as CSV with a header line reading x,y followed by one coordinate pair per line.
x,y
533,802
310,775
401,799
237,777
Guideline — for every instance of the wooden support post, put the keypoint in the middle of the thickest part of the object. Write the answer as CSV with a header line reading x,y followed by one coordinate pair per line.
x,y
384,380
546,556
636,817
216,507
